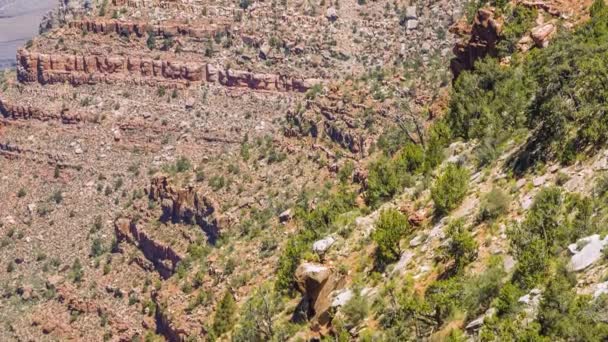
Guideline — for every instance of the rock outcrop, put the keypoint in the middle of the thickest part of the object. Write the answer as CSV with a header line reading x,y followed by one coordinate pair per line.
x,y
140,29
542,34
586,251
14,111
478,40
186,205
166,327
80,69
164,258
316,283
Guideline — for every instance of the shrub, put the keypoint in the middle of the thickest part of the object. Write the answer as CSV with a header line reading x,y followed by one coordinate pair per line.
x,y
494,203
356,309
183,164
517,23
392,140
217,182
507,301
490,100
384,180
97,248
76,273
445,298
554,220
456,335
562,178
480,290
543,221
288,263
532,264
462,248
257,320
245,154
450,188
57,197
346,171
409,159
103,8
601,186
438,138
404,314
316,222
564,315
199,175
391,227
244,4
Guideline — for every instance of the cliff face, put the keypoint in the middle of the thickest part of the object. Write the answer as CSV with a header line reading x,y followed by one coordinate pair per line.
x,y
78,70
17,111
164,258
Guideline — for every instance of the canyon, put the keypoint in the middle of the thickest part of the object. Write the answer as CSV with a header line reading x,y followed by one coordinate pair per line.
x,y
188,170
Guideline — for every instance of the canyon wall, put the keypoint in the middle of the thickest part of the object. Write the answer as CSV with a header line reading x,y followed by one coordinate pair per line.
x,y
80,69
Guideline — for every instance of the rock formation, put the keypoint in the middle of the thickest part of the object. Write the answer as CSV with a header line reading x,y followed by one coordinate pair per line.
x,y
478,40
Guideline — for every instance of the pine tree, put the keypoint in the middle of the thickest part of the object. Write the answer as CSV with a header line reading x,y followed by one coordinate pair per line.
x,y
224,315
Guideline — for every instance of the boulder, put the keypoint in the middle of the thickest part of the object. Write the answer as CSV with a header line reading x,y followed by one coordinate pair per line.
x,y
520,183
478,322
530,303
531,298
264,50
417,218
311,277
586,251
404,260
542,34
340,298
285,216
600,289
417,241
412,24
410,13
538,181
526,202
601,164
322,246
508,263
26,292
331,14
316,283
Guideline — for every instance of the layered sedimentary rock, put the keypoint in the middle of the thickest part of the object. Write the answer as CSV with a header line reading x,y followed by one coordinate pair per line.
x,y
78,70
143,28
17,111
478,41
